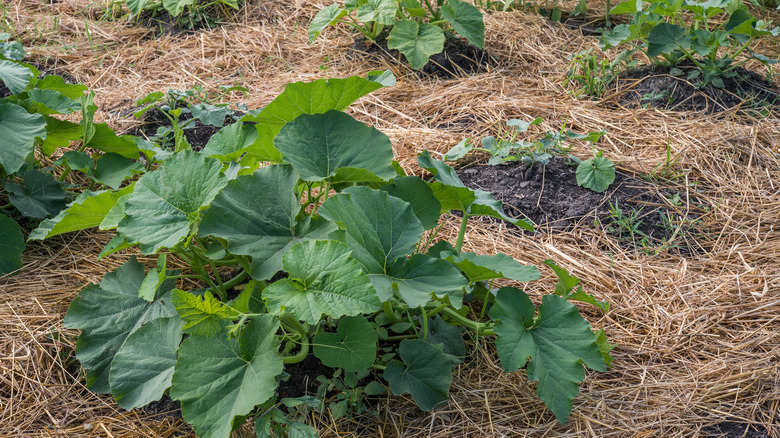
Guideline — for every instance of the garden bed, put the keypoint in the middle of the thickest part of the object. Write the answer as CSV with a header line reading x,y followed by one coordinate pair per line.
x,y
696,330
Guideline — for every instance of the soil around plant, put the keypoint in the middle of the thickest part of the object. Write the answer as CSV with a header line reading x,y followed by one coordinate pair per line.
x,y
550,197
734,429
458,58
656,86
197,134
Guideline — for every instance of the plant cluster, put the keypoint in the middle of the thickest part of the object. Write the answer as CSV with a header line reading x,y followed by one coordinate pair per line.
x,y
595,173
188,13
690,31
303,236
31,131
593,73
417,30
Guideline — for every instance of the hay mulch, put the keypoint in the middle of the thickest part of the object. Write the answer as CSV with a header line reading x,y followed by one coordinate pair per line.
x,y
698,335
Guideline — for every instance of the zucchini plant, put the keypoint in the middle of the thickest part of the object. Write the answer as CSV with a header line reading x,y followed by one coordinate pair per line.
x,y
304,237
687,30
595,173
416,29
31,130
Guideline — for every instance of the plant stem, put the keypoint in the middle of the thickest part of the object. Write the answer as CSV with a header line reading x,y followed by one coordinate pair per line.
x,y
235,281
462,232
378,367
482,329
387,307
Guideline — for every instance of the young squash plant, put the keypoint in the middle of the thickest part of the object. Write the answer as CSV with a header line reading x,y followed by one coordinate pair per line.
x,y
416,29
595,173
687,30
30,130
327,247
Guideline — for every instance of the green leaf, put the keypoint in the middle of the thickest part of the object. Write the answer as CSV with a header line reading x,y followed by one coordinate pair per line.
x,y
449,338
605,347
176,7
627,7
454,195
596,173
13,50
557,343
210,114
319,144
256,215
466,19
59,134
113,169
166,202
40,196
298,98
18,129
325,17
11,245
136,6
324,279
489,267
202,315
230,142
417,42
15,76
300,430
566,283
618,35
426,374
418,278
106,140
58,84
378,11
420,196
459,151
142,369
352,347
52,102
108,313
666,38
86,211
379,228
217,379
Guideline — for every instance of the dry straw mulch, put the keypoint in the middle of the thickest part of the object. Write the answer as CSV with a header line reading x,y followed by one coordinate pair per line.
x,y
698,333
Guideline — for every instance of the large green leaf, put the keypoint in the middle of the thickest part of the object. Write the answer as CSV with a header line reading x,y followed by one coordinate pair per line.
x,y
596,173
58,84
666,38
324,279
15,76
417,42
176,7
317,145
425,374
379,228
106,140
256,215
107,313
87,211
352,347
166,202
113,169
378,11
11,245
466,19
52,102
41,195
418,278
142,369
230,142
298,98
18,129
217,379
557,343
59,134
448,337
454,195
327,16
420,196
489,267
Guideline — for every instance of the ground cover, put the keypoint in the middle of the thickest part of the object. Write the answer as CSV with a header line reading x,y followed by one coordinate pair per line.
x,y
696,331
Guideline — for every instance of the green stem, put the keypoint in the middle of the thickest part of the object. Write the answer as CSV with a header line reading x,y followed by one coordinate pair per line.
x,y
301,355
378,367
235,281
400,337
434,312
387,307
462,232
478,327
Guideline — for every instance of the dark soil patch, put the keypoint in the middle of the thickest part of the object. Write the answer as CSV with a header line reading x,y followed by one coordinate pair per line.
x,y
655,86
160,22
303,378
733,429
458,58
550,197
197,133
166,407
